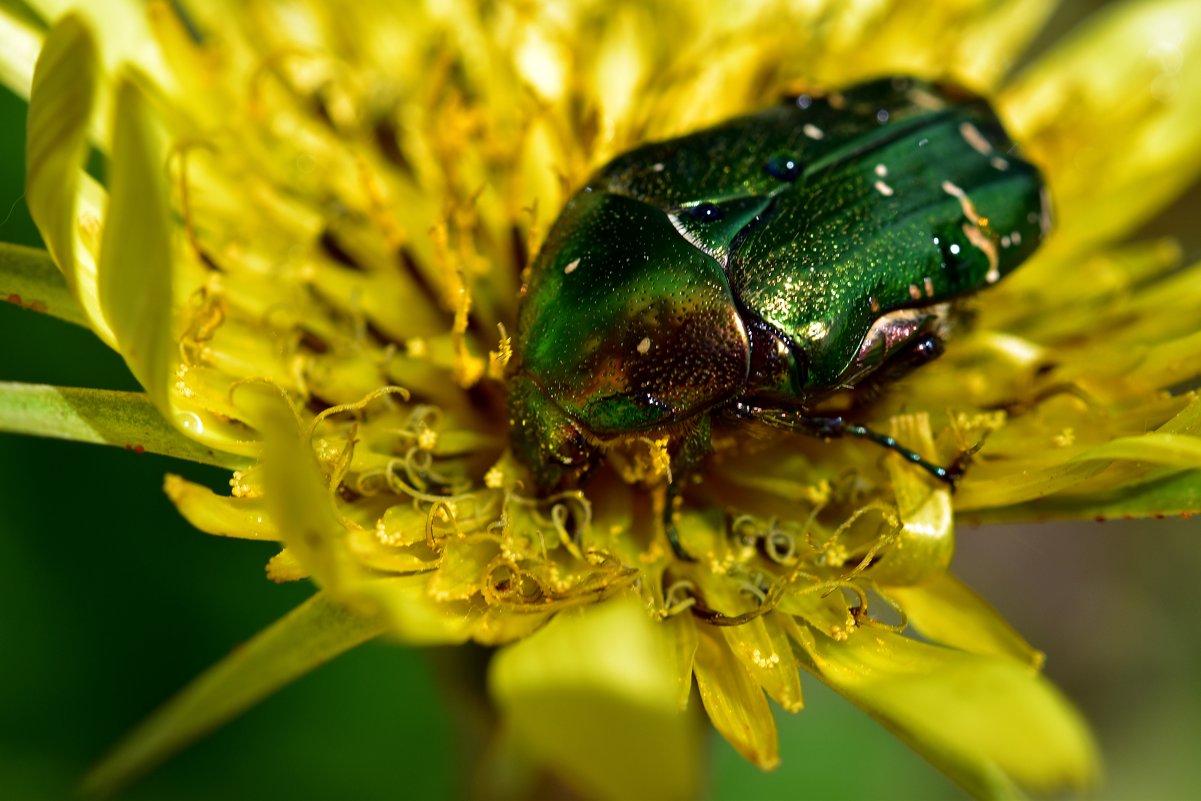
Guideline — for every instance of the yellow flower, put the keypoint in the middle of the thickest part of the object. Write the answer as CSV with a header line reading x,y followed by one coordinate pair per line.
x,y
309,248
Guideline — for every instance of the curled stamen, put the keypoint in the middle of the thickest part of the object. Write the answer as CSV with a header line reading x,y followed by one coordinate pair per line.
x,y
447,511
678,597
202,325
780,546
180,150
862,618
560,514
356,406
537,504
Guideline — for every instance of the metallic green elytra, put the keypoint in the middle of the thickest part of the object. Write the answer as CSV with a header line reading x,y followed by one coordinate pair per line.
x,y
751,269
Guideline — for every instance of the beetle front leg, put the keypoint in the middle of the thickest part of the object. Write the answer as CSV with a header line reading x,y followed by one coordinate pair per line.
x,y
695,445
835,426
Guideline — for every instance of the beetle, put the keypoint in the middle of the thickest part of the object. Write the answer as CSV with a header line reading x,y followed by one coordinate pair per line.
x,y
748,271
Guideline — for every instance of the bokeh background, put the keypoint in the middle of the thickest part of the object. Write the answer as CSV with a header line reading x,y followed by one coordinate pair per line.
x,y
110,602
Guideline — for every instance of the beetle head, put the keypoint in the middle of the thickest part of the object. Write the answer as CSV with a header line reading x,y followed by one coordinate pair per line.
x,y
546,439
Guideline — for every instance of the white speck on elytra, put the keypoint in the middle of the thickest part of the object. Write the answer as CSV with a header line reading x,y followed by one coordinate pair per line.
x,y
571,265
881,170
644,347
976,141
812,131
884,189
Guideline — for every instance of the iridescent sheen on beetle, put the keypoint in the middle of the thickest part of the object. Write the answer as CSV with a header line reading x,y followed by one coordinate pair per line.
x,y
751,269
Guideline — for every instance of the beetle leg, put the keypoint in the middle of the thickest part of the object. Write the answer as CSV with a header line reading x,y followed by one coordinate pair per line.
x,y
669,524
695,445
835,426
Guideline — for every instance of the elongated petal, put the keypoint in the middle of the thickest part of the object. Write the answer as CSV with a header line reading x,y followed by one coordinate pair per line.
x,y
1178,494
593,695
945,610
64,203
990,724
1112,116
18,52
29,278
300,508
135,254
927,536
122,25
308,637
1178,451
222,515
735,701
123,419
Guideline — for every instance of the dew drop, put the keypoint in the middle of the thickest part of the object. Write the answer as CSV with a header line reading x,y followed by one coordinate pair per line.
x,y
783,167
190,422
705,212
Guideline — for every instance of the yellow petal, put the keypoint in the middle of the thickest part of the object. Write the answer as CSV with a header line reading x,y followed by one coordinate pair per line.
x,y
990,724
927,537
19,46
766,653
124,28
1111,115
593,695
65,204
222,515
136,252
735,701
680,633
945,610
299,505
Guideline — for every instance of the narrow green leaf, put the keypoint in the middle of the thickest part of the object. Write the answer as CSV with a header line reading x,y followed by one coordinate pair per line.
x,y
123,419
135,253
29,278
994,726
593,697
301,641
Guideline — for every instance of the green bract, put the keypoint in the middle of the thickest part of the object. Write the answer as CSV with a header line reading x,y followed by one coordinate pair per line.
x,y
752,269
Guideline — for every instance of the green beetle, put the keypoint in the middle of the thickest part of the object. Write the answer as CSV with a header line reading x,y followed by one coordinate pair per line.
x,y
751,269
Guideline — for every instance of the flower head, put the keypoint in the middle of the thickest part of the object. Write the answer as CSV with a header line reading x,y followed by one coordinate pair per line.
x,y
310,248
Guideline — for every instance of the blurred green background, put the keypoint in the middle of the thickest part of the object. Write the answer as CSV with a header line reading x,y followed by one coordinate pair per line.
x,y
110,602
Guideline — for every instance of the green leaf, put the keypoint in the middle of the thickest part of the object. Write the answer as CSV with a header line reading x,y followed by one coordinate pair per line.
x,y
123,419
29,278
994,726
303,640
135,267
593,697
